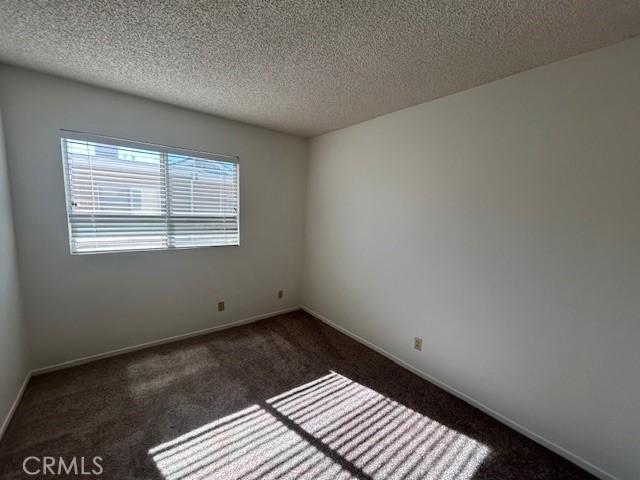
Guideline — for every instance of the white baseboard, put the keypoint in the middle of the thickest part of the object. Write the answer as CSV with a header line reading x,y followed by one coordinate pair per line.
x,y
554,447
175,338
112,353
13,408
581,462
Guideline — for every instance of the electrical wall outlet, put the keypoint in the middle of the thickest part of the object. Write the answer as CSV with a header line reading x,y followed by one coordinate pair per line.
x,y
280,293
221,306
417,344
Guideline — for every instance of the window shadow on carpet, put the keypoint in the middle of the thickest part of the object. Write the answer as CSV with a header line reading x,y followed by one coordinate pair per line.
x,y
330,428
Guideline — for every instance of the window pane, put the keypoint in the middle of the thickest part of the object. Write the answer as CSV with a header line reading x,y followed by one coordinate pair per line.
x,y
202,187
203,201
105,179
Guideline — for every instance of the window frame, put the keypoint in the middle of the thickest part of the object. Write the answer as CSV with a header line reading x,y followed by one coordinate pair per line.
x,y
165,151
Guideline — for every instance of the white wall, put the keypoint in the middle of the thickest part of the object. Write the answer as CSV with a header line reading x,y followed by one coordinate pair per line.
x,y
13,361
83,305
501,225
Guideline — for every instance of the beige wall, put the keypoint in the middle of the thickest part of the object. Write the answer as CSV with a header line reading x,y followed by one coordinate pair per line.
x,y
501,225
84,305
13,360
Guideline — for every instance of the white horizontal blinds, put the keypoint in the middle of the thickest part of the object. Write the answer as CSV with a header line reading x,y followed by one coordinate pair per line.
x,y
116,197
121,197
203,201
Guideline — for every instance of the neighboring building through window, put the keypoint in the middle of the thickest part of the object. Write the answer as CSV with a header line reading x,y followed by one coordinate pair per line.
x,y
117,198
124,195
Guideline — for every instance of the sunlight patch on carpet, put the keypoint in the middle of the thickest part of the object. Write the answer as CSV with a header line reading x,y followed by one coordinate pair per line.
x,y
331,428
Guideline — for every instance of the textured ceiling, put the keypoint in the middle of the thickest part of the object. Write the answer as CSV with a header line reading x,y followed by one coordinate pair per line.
x,y
303,67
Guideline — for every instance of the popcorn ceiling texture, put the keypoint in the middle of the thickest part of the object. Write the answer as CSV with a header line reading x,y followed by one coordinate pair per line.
x,y
303,67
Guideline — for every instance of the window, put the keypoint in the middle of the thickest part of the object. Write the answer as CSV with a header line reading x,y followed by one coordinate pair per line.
x,y
124,195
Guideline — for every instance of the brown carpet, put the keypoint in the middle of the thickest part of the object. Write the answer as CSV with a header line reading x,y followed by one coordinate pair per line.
x,y
287,397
